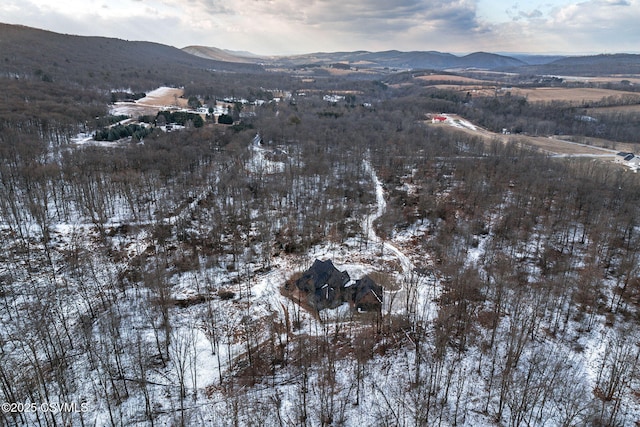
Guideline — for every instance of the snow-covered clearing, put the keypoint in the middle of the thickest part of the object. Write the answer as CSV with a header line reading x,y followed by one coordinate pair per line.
x,y
162,98
259,162
87,139
459,122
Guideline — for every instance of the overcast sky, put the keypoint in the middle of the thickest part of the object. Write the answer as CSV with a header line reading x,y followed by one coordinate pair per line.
x,y
297,26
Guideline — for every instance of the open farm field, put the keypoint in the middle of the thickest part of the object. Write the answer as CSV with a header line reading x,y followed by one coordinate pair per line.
x,y
475,90
451,78
565,148
634,79
618,109
550,145
603,143
157,100
339,71
573,95
164,96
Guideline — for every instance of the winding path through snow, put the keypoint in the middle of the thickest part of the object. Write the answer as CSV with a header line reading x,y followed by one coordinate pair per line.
x,y
415,293
381,203
416,285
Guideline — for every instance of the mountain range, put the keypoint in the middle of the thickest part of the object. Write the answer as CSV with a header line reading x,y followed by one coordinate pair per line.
x,y
364,59
25,50
101,61
621,63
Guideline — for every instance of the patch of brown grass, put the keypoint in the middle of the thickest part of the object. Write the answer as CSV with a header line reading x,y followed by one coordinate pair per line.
x,y
574,95
450,78
614,110
168,97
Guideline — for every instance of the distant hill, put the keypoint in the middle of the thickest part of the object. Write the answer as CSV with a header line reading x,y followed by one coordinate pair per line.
x,y
394,59
220,54
594,65
606,59
387,59
490,61
535,59
100,61
433,60
417,60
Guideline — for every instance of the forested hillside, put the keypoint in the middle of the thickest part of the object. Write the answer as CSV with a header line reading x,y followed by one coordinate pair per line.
x,y
144,282
106,63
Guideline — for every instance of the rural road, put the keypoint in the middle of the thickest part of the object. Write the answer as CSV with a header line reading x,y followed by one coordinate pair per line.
x,y
549,144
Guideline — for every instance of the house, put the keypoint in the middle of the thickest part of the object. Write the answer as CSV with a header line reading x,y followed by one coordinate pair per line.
x,y
622,156
333,98
438,119
629,160
634,163
324,286
367,295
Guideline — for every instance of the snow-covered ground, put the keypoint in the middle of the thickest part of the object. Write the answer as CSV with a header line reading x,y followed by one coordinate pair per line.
x,y
426,287
459,122
404,377
259,162
162,98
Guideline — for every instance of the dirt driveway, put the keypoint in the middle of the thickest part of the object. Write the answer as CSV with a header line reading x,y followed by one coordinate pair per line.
x,y
550,145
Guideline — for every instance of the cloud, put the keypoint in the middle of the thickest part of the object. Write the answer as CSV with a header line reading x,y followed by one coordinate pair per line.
x,y
596,12
376,23
592,26
518,15
361,16
290,26
210,7
329,24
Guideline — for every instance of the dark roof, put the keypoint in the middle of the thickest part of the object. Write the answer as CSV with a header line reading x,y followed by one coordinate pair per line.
x,y
325,273
325,287
629,156
367,294
324,284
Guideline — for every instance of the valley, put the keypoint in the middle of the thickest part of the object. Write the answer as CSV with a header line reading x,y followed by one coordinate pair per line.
x,y
165,276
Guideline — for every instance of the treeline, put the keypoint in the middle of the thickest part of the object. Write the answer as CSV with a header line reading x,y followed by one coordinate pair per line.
x,y
207,204
100,62
119,131
181,118
126,96
49,111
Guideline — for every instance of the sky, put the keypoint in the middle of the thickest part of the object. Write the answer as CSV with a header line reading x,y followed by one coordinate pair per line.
x,y
281,27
